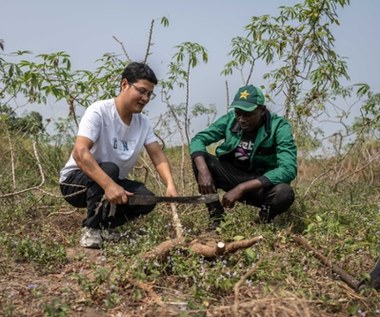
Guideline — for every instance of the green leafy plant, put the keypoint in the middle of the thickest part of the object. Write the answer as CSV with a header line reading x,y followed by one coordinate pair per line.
x,y
48,256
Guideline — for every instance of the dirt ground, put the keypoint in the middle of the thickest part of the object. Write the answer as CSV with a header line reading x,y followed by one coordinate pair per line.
x,y
25,292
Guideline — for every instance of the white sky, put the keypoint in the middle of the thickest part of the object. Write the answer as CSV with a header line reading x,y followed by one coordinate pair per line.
x,y
84,29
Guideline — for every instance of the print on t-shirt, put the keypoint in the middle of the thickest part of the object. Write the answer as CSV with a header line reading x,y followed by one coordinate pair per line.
x,y
243,153
122,146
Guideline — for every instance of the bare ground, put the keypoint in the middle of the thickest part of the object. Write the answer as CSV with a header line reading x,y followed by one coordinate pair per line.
x,y
24,291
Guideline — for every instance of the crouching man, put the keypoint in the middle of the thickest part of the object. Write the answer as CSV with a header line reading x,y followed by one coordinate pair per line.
x,y
111,136
255,161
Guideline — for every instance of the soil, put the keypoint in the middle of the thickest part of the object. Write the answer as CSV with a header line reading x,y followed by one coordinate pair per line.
x,y
26,292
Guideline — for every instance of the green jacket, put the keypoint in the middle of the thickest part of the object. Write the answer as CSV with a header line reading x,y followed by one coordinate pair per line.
x,y
274,155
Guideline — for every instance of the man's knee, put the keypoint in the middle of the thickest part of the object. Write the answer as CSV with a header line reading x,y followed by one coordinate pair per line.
x,y
284,192
282,197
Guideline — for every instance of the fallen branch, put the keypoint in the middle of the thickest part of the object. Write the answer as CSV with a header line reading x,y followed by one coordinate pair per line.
x,y
148,289
213,248
62,213
162,250
345,276
210,249
242,244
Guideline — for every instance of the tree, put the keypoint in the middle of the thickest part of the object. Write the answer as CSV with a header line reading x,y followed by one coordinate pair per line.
x,y
30,124
188,56
368,124
300,45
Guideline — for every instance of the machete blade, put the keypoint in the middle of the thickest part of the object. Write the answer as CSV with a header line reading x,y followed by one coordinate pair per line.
x,y
149,200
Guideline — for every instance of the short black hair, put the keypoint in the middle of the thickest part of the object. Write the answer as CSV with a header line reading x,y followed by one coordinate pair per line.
x,y
136,71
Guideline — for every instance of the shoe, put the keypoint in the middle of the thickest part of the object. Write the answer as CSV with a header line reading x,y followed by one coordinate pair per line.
x,y
111,235
213,224
216,213
264,215
91,238
215,221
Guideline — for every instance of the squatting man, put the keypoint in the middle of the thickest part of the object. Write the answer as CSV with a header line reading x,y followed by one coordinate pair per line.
x,y
255,162
110,138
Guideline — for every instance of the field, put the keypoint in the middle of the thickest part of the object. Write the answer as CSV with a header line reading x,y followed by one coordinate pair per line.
x,y
44,272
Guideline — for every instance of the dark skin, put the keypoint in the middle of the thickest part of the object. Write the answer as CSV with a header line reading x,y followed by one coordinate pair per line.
x,y
250,122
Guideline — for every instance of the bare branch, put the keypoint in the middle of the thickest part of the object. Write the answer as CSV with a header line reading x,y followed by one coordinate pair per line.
x,y
346,277
123,48
12,160
149,42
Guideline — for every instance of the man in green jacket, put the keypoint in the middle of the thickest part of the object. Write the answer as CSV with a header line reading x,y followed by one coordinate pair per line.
x,y
255,161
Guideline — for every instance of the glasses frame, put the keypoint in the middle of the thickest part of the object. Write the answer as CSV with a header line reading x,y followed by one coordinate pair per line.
x,y
142,91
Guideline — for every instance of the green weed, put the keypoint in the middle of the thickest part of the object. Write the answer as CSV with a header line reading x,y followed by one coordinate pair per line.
x,y
46,255
56,308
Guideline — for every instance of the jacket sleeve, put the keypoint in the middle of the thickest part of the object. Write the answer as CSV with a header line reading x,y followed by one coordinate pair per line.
x,y
286,153
214,133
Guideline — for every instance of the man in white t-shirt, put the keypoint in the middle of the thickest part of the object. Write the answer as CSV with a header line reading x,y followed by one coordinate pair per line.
x,y
111,136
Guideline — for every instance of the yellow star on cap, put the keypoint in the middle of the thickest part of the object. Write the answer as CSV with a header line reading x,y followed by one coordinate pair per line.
x,y
244,95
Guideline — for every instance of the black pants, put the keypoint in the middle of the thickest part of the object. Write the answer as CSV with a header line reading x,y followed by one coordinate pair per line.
x,y
92,196
276,199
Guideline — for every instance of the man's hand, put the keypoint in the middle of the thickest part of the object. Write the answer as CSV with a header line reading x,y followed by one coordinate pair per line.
x,y
206,183
229,198
161,163
171,191
116,194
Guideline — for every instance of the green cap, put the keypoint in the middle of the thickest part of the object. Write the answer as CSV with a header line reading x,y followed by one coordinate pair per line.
x,y
248,98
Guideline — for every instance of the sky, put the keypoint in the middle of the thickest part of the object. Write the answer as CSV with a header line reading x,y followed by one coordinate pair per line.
x,y
85,29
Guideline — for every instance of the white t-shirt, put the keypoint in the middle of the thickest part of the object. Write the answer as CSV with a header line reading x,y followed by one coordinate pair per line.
x,y
114,141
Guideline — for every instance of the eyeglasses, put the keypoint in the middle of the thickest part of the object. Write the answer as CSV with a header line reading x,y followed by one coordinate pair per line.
x,y
150,94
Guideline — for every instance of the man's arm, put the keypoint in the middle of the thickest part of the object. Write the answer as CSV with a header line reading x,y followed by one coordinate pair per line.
x,y
162,166
85,160
206,184
205,181
286,152
237,192
214,133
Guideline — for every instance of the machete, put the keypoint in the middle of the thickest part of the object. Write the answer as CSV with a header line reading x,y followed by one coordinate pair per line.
x,y
149,200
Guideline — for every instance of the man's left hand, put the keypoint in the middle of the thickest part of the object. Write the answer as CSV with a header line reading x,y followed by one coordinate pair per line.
x,y
229,198
171,191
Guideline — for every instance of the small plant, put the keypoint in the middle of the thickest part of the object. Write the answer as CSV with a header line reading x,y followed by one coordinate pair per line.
x,y
102,287
9,311
56,308
48,255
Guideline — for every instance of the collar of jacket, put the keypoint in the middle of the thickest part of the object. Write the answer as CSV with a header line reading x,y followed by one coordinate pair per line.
x,y
236,127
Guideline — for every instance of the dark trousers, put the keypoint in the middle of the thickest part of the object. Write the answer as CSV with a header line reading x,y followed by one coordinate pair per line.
x,y
276,199
93,194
